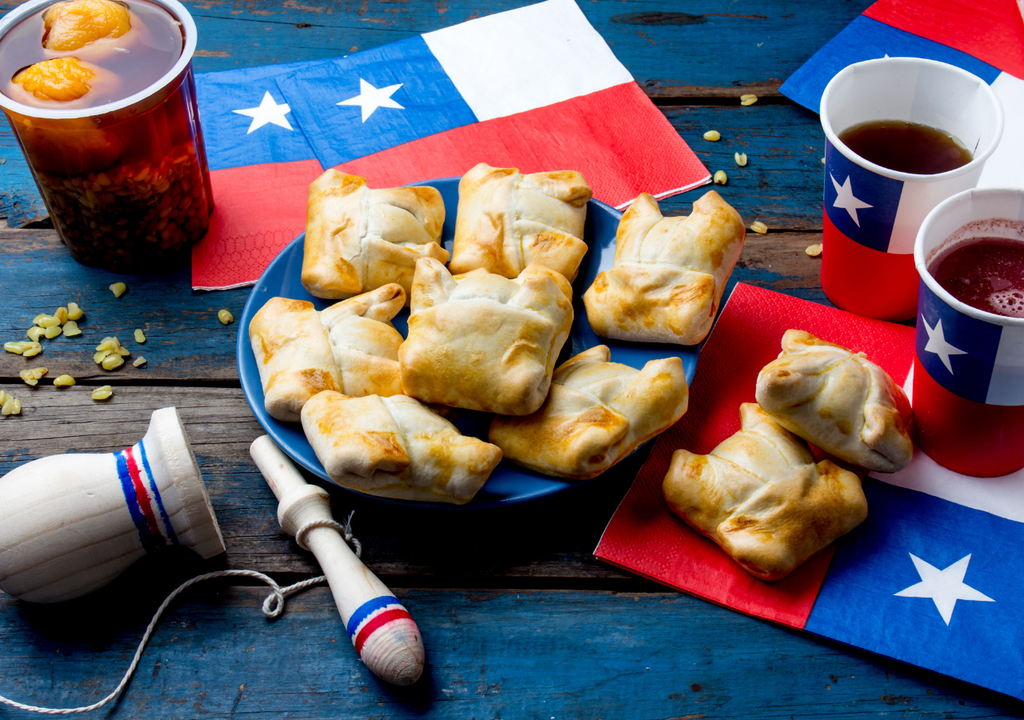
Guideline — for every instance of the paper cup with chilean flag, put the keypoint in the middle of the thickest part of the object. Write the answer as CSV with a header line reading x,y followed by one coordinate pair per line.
x,y
871,213
968,384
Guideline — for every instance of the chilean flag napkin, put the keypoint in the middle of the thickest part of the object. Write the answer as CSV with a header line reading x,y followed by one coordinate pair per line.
x,y
535,88
983,37
930,577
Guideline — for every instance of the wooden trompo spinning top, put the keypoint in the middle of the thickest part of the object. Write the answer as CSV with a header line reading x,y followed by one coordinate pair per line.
x,y
72,523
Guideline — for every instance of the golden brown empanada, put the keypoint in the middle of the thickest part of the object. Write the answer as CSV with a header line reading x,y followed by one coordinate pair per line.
x,y
395,447
358,239
596,413
507,220
668,274
349,347
840,401
761,497
482,341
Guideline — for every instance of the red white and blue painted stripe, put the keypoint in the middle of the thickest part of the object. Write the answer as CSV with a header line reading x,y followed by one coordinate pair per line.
x,y
142,496
372,616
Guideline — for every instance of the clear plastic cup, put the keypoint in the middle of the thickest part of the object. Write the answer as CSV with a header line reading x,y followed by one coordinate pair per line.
x,y
126,183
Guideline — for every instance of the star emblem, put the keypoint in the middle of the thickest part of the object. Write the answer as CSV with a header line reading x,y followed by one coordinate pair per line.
x,y
943,587
268,112
846,200
937,344
371,98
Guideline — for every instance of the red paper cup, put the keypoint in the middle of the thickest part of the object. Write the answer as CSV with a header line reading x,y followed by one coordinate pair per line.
x,y
968,387
871,213
126,183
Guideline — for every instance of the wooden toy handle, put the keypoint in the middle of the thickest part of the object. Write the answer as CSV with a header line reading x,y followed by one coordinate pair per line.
x,y
383,633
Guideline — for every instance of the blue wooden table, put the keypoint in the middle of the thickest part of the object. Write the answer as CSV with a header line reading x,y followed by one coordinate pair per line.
x,y
519,619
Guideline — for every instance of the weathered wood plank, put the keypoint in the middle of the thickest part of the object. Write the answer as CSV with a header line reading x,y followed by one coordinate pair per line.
x,y
500,654
184,339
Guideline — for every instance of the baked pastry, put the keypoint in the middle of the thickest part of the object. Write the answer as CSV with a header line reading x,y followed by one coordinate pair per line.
x,y
349,347
484,342
761,497
840,401
395,447
668,274
507,220
596,413
358,239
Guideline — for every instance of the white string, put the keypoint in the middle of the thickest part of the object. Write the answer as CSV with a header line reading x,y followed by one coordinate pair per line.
x,y
273,606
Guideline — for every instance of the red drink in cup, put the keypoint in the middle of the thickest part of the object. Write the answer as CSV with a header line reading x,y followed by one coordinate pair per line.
x,y
114,143
968,388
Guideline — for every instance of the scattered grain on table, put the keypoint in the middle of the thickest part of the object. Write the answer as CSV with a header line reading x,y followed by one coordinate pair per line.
x,y
102,393
748,99
11,405
813,250
712,136
721,178
118,289
740,158
225,317
759,227
31,376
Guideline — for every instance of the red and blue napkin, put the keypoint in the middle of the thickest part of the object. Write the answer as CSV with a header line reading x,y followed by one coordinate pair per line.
x,y
930,578
535,88
984,37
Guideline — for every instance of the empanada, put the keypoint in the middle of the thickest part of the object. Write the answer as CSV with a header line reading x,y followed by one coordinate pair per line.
x,y
761,497
350,347
596,413
482,341
507,220
395,447
840,401
668,274
358,239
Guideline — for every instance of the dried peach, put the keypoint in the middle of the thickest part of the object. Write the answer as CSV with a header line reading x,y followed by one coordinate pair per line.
x,y
60,79
73,24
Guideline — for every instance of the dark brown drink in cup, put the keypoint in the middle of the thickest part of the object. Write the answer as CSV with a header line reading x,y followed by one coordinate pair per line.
x,y
122,168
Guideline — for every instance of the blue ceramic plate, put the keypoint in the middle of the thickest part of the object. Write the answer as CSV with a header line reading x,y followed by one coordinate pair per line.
x,y
508,483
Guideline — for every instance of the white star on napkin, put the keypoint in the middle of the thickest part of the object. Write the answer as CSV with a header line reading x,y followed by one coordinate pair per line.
x,y
846,200
371,98
937,344
943,587
268,112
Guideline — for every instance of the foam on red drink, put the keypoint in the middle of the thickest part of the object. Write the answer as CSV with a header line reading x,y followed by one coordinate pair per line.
x,y
121,169
986,273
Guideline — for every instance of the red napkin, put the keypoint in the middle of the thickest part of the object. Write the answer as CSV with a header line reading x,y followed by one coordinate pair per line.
x,y
643,536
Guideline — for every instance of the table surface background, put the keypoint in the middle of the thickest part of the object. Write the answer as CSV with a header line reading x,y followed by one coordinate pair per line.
x,y
519,619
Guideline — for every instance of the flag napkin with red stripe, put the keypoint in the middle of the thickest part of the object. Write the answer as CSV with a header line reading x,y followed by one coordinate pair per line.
x,y
535,88
929,578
